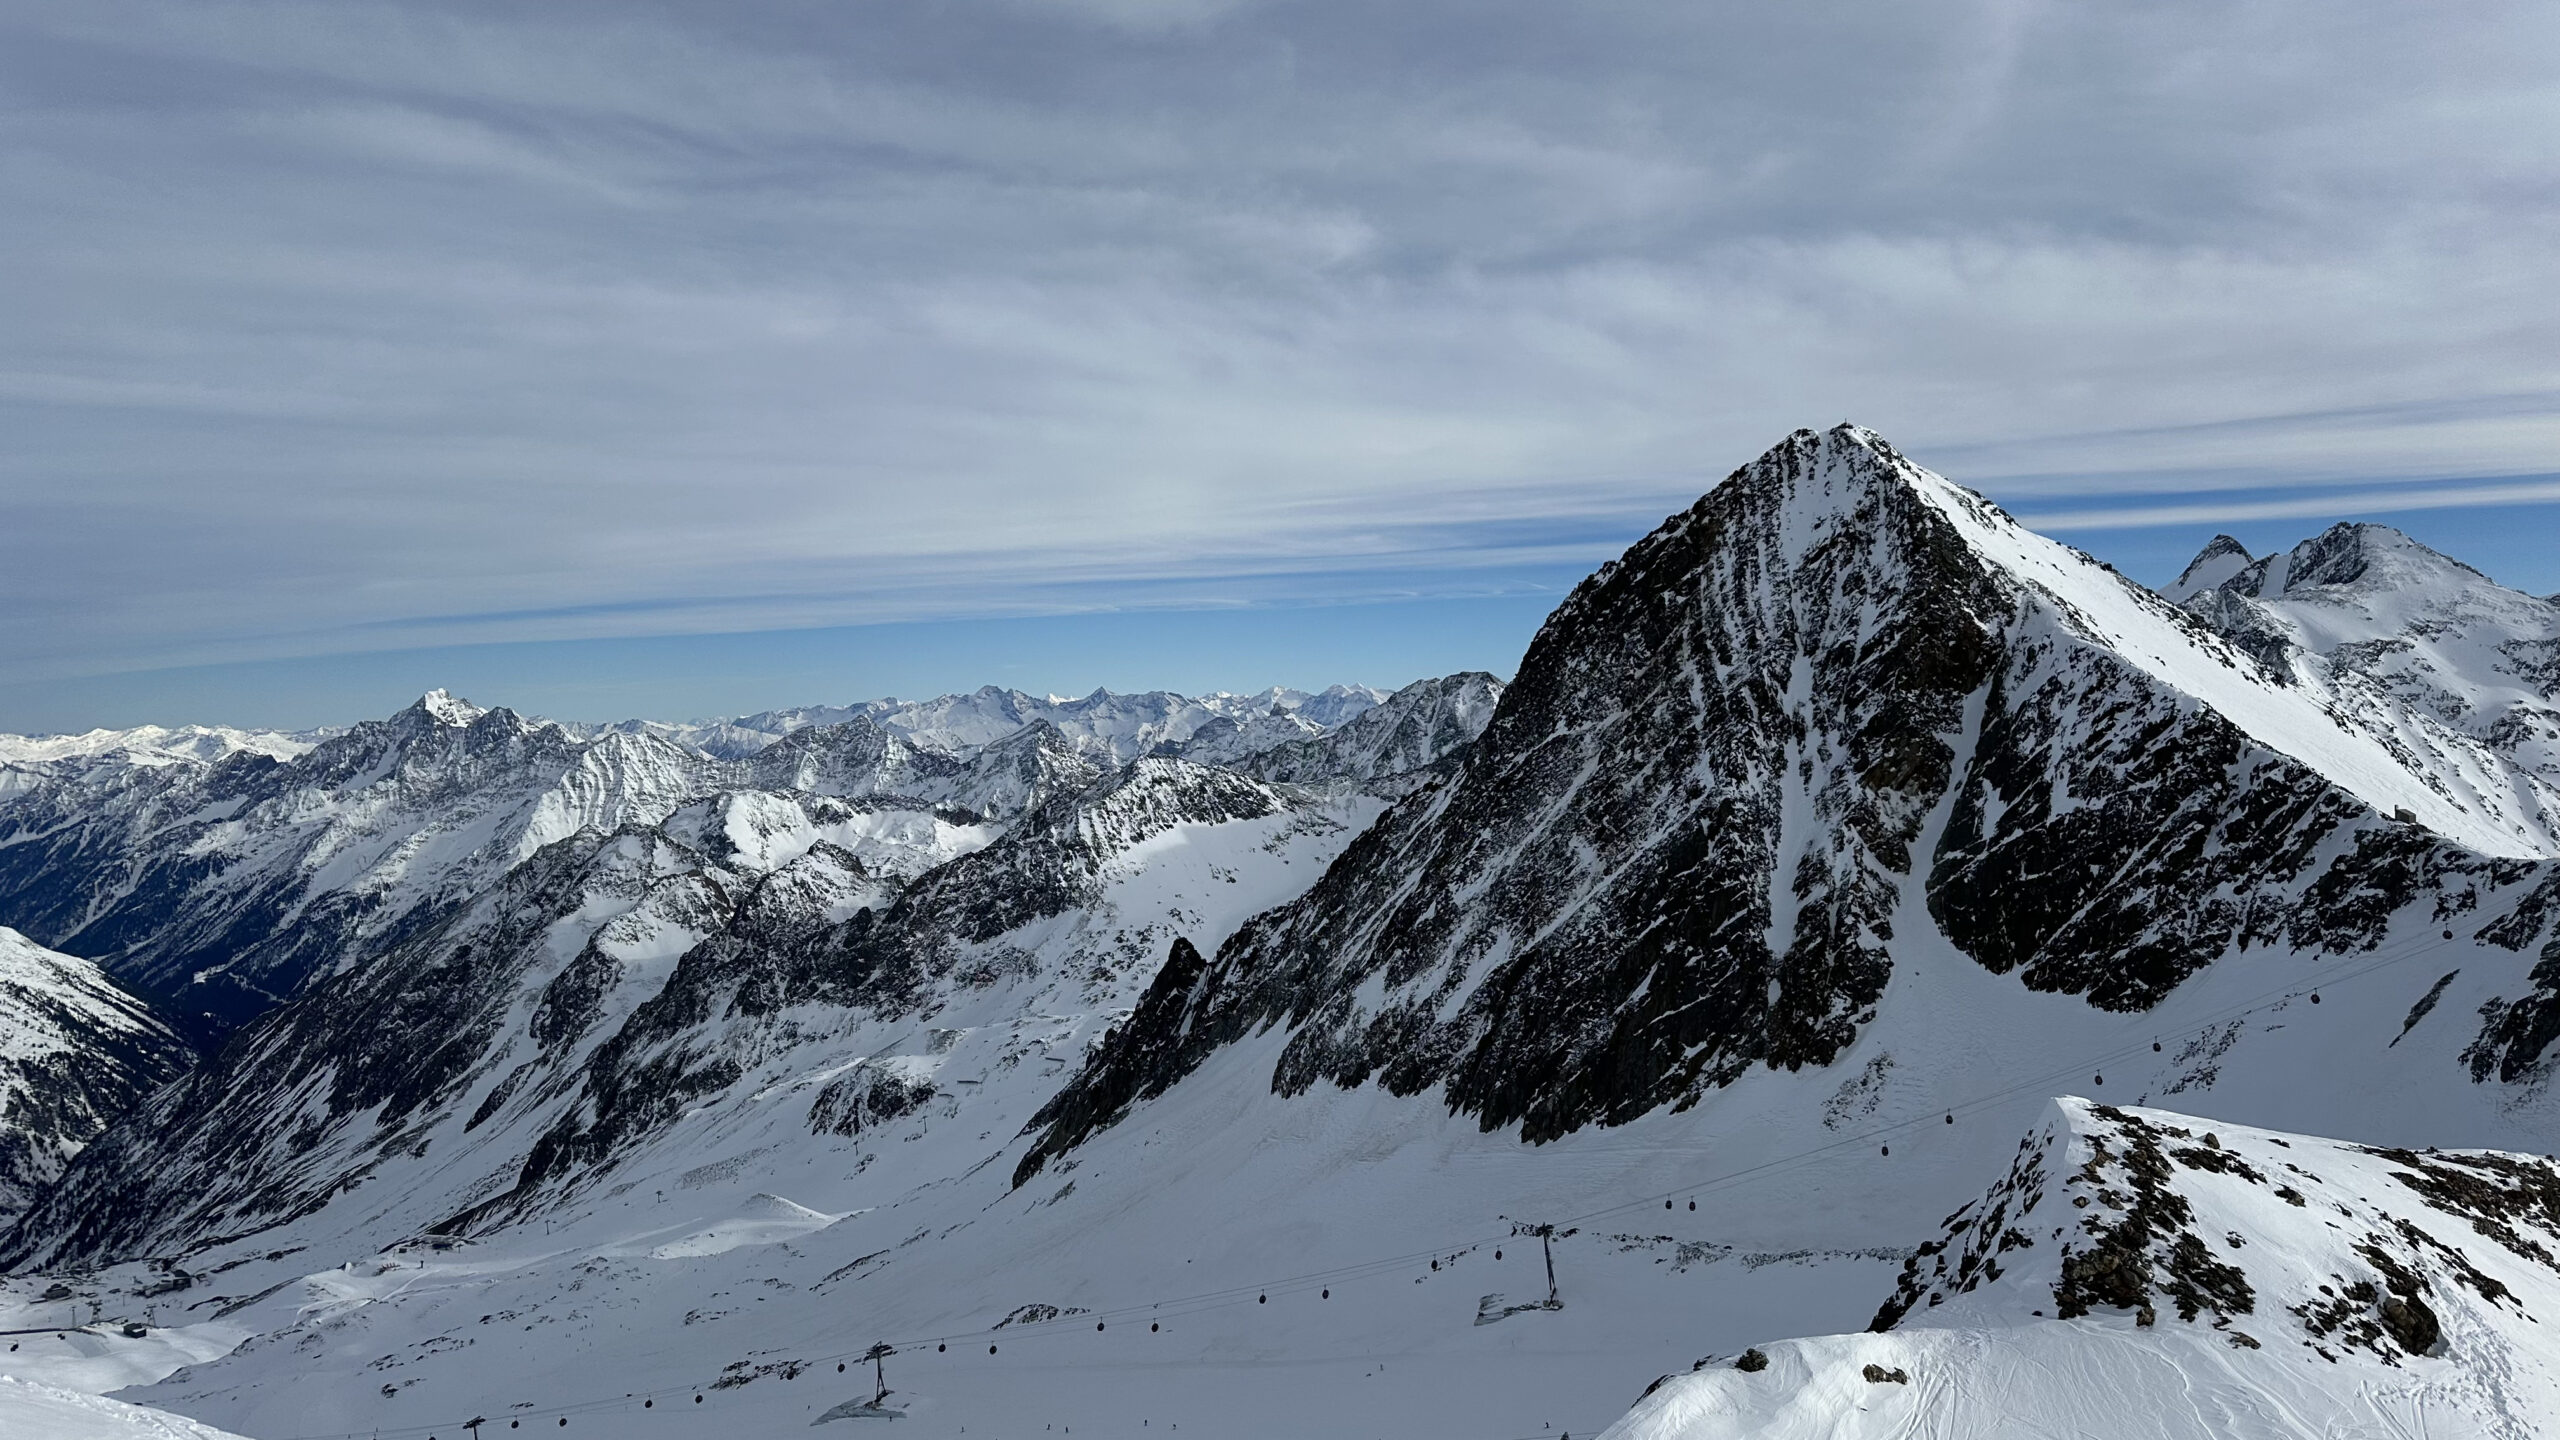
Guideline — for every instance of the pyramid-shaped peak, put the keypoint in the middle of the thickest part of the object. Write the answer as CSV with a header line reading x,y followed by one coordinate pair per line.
x,y
2220,560
1813,478
446,708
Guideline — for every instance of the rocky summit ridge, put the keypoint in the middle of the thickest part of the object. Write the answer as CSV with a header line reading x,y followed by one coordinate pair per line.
x,y
1836,696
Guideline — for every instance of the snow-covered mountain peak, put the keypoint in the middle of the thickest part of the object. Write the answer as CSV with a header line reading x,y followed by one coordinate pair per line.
x,y
157,744
2220,559
2143,1272
1816,501
2453,674
2370,558
445,708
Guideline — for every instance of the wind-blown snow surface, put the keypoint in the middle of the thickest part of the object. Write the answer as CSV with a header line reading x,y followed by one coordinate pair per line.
x,y
2141,1273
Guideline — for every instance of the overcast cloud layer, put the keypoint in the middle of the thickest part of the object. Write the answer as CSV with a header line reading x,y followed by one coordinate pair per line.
x,y
348,327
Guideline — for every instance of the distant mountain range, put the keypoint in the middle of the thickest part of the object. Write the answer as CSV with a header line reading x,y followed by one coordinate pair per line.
x,y
1817,842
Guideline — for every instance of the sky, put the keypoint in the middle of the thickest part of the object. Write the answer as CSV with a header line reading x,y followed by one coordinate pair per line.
x,y
695,358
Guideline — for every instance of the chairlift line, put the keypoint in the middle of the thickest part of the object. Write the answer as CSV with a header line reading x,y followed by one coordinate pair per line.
x,y
1233,1295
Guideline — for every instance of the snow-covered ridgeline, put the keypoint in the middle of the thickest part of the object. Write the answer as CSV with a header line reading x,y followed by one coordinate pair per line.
x,y
1732,756
2143,1272
158,744
223,887
1117,728
2448,793
2433,660
617,982
1831,807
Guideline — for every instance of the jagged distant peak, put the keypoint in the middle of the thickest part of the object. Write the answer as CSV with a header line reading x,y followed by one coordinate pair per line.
x,y
446,708
2353,554
2220,559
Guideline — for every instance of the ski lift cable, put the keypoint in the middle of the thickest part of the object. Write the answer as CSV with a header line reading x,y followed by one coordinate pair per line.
x,y
2240,1010
1209,1299
1203,1301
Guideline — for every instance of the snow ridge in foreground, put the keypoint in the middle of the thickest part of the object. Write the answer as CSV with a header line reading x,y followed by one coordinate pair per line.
x,y
2142,1273
33,1411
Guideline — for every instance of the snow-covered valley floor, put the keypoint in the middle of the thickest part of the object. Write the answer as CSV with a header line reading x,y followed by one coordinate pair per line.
x,y
1259,1266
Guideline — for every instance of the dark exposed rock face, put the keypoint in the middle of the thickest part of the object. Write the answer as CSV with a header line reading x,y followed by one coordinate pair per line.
x,y
2368,1260
2148,1247
76,1053
1409,733
1977,1243
865,1097
1679,847
1674,852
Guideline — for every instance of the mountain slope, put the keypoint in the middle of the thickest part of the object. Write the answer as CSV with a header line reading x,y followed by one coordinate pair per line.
x,y
220,890
76,1053
1406,733
480,1018
1678,850
2144,1273
2449,670
1819,840
51,1413
617,985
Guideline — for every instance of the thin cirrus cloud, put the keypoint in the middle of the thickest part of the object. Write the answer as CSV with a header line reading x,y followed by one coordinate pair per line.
x,y
2376,500
340,328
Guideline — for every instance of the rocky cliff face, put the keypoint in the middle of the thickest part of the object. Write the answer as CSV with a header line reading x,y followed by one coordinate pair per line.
x,y
76,1053
223,889
1406,734
1683,845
